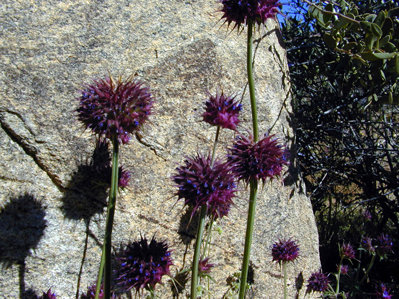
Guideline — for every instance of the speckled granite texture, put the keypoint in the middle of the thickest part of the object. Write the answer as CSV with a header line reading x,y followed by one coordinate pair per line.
x,y
51,223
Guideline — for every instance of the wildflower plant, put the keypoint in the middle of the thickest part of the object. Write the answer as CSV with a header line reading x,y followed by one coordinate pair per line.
x,y
207,184
283,252
113,110
358,277
249,13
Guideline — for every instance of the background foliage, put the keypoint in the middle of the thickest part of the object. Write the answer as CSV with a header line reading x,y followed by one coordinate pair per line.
x,y
347,126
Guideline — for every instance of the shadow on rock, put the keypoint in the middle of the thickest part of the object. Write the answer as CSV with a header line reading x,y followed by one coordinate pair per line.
x,y
188,226
22,225
86,193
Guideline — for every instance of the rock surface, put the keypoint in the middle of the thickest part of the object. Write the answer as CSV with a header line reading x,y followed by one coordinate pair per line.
x,y
51,217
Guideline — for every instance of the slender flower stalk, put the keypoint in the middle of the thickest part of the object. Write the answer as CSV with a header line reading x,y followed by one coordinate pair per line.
x,y
200,231
248,237
197,252
285,279
253,185
220,111
251,83
106,255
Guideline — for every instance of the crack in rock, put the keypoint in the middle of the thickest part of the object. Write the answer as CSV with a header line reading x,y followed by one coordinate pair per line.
x,y
23,142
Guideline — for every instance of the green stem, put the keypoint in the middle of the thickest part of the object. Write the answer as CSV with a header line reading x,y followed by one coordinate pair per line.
x,y
339,276
100,273
253,183
197,253
251,83
106,256
208,238
248,237
215,145
368,269
285,279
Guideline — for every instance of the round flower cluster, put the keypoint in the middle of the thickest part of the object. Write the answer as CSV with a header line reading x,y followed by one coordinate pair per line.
x,y
285,251
317,282
200,184
261,160
114,109
347,251
245,11
222,111
142,264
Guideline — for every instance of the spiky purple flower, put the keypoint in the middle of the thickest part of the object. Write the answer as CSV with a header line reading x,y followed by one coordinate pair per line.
x,y
48,295
241,12
285,251
200,184
367,243
317,282
261,160
344,269
142,264
222,110
91,293
347,251
204,267
114,109
383,292
123,177
384,244
367,215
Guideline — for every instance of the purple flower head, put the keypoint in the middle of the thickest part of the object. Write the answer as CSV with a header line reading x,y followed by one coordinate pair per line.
x,y
124,177
367,215
367,243
317,282
91,293
114,109
201,184
383,292
241,12
261,160
204,267
347,251
48,295
344,269
222,111
285,251
384,244
142,264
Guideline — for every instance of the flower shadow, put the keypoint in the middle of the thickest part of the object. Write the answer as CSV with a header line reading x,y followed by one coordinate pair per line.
x,y
86,193
22,225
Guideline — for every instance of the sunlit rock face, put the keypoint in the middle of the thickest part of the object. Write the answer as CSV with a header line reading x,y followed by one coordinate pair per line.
x,y
183,52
